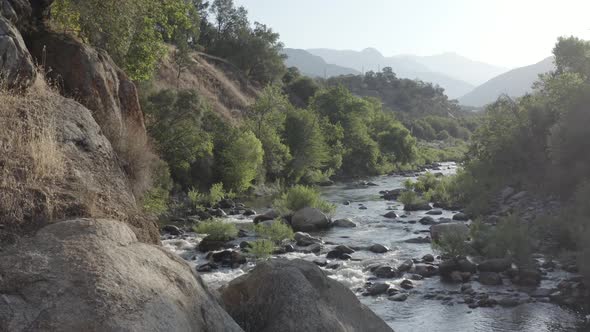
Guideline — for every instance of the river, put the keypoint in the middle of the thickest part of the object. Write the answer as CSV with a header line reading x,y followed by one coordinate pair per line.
x,y
416,313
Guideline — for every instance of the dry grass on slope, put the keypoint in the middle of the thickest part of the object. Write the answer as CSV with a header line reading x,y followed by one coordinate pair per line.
x,y
55,163
221,84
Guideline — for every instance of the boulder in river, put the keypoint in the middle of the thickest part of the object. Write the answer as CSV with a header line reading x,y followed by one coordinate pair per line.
x,y
93,275
344,223
428,221
434,212
386,272
309,219
172,230
377,289
296,295
378,248
406,266
269,215
436,231
211,244
304,239
390,215
417,207
400,297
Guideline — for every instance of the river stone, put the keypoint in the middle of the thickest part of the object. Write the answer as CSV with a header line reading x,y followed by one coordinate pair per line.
x,y
508,302
304,239
495,265
465,265
345,223
406,284
406,266
385,272
399,297
344,249
434,213
209,244
378,248
417,207
296,295
428,258
427,221
436,231
461,217
93,275
377,289
390,215
269,215
309,219
249,212
172,230
490,278
419,240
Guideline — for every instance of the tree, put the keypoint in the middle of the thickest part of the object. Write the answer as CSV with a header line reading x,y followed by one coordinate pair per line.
x,y
173,120
241,160
306,142
132,31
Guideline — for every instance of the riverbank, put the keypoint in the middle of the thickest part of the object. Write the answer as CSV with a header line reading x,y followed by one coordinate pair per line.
x,y
426,302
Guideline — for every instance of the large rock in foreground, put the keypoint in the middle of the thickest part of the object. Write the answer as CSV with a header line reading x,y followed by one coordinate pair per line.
x,y
296,295
16,65
93,275
309,219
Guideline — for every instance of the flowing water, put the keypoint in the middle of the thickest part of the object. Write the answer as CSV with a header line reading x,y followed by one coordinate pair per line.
x,y
416,313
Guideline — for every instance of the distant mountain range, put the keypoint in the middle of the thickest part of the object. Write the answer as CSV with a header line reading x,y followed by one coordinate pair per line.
x,y
515,83
473,83
313,65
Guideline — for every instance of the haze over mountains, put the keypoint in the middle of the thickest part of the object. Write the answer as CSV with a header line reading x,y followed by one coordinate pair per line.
x,y
515,83
473,83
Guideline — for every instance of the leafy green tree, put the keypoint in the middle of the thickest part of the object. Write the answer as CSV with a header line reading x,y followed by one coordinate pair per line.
x,y
266,118
173,120
306,142
241,161
132,31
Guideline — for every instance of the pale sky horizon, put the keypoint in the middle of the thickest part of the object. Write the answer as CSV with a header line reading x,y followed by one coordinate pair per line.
x,y
507,33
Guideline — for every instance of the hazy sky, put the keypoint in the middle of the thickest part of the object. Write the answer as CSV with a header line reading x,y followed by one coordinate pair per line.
x,y
509,33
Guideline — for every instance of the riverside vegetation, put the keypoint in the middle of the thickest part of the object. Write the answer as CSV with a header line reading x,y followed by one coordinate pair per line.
x,y
110,115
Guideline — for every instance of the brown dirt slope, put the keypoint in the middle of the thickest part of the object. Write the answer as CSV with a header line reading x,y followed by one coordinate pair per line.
x,y
228,92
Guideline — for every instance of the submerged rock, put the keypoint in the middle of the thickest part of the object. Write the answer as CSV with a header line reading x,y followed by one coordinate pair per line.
x,y
390,215
490,278
385,272
345,223
417,207
296,295
377,289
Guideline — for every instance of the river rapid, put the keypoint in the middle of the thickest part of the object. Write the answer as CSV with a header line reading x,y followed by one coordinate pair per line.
x,y
432,305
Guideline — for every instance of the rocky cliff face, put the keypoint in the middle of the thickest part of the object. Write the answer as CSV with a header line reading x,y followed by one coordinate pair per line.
x,y
72,158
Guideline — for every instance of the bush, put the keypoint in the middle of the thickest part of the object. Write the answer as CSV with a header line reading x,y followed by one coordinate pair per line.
x,y
452,245
276,232
195,197
410,197
216,194
242,160
509,238
217,230
261,249
299,197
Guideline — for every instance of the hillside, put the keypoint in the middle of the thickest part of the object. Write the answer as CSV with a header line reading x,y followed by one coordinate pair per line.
x,y
224,87
313,65
515,83
404,67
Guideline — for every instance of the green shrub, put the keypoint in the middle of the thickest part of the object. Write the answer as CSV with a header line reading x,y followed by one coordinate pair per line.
x,y
217,230
509,238
426,182
195,197
452,244
261,249
216,194
276,232
410,197
299,197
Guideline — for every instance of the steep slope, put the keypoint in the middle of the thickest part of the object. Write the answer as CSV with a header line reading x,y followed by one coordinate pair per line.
x,y
313,65
224,87
404,67
459,67
515,83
